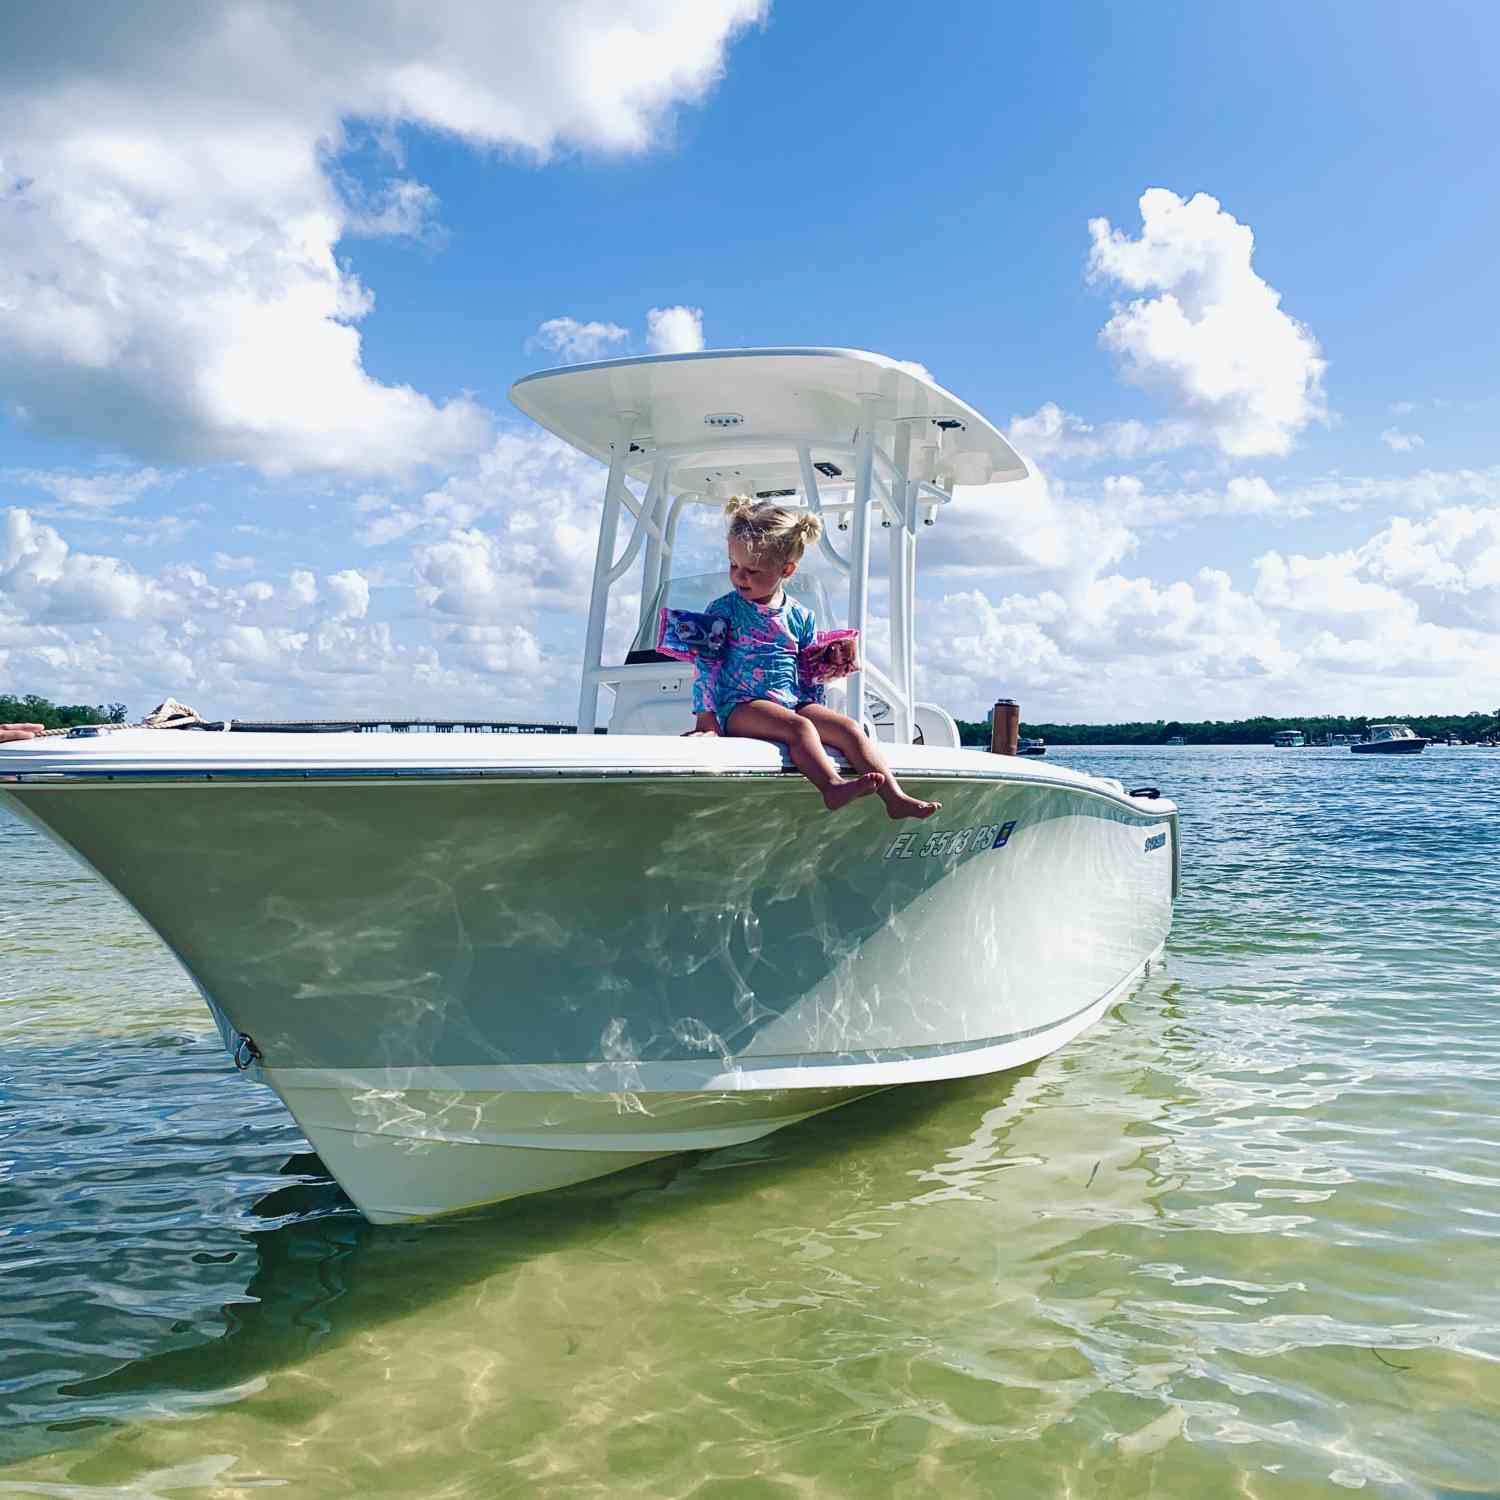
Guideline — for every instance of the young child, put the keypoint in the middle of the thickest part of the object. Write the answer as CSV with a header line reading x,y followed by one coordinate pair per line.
x,y
754,690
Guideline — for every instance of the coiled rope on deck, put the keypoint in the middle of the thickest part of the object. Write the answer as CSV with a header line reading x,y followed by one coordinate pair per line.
x,y
168,715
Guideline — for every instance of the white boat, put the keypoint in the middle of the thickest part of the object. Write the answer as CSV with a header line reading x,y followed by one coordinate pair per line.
x,y
476,966
1289,739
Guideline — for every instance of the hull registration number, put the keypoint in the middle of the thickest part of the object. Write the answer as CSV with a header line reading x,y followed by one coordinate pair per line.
x,y
950,842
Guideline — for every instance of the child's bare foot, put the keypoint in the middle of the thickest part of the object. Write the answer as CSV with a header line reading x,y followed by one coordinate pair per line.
x,y
899,805
842,793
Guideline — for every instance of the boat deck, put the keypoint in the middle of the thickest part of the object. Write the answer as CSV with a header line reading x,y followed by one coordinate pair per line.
x,y
153,754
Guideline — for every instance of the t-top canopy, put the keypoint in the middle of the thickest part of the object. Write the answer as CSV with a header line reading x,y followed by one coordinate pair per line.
x,y
717,411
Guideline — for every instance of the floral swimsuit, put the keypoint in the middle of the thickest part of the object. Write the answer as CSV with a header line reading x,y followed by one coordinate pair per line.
x,y
760,660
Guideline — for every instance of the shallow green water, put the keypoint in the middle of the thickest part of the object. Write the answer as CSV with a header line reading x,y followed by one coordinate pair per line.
x,y
1242,1237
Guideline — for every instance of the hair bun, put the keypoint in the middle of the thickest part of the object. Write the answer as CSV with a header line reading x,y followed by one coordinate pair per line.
x,y
809,528
775,531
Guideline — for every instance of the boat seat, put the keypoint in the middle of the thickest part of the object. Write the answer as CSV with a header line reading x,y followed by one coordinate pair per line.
x,y
654,702
936,727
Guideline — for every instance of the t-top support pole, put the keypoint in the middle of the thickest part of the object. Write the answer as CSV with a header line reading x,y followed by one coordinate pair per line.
x,y
859,548
609,524
900,561
656,544
924,467
815,504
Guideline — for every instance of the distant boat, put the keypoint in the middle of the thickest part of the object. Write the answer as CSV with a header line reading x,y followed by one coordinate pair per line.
x,y
1289,739
1037,746
1176,739
1389,739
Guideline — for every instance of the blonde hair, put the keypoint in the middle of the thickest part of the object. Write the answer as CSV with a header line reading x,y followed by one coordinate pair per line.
x,y
771,531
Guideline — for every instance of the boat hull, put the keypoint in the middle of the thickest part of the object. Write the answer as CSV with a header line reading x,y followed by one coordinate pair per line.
x,y
470,989
1390,747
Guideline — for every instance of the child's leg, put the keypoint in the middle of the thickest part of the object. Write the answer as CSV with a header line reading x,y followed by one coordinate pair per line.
x,y
762,720
840,731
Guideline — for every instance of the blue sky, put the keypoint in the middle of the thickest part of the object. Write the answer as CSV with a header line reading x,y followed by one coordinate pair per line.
x,y
266,275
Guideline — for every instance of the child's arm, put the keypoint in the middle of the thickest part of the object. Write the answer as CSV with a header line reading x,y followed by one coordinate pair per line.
x,y
705,721
806,634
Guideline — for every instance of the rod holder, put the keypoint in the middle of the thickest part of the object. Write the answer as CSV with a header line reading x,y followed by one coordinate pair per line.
x,y
1005,726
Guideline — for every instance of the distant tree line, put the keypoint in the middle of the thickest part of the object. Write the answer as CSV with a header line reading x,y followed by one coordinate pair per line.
x,y
34,710
1256,731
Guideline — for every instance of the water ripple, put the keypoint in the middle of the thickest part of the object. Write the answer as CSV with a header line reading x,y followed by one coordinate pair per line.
x,y
1240,1237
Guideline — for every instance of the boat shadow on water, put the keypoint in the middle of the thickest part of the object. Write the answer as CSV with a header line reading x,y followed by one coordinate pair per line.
x,y
323,1275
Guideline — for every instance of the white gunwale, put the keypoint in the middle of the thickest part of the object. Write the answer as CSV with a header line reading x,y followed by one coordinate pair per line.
x,y
143,758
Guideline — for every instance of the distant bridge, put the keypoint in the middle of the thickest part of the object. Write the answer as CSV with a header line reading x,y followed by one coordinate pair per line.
x,y
389,726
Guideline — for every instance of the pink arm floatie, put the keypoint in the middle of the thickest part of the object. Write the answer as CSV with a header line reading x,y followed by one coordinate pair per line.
x,y
830,655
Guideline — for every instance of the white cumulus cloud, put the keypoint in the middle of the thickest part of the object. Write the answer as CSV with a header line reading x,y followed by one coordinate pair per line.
x,y
482,604
172,199
302,586
1448,563
1327,586
1400,442
349,594
669,330
674,330
576,343
1032,527
1210,333
84,627
1051,432
43,579
97,493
